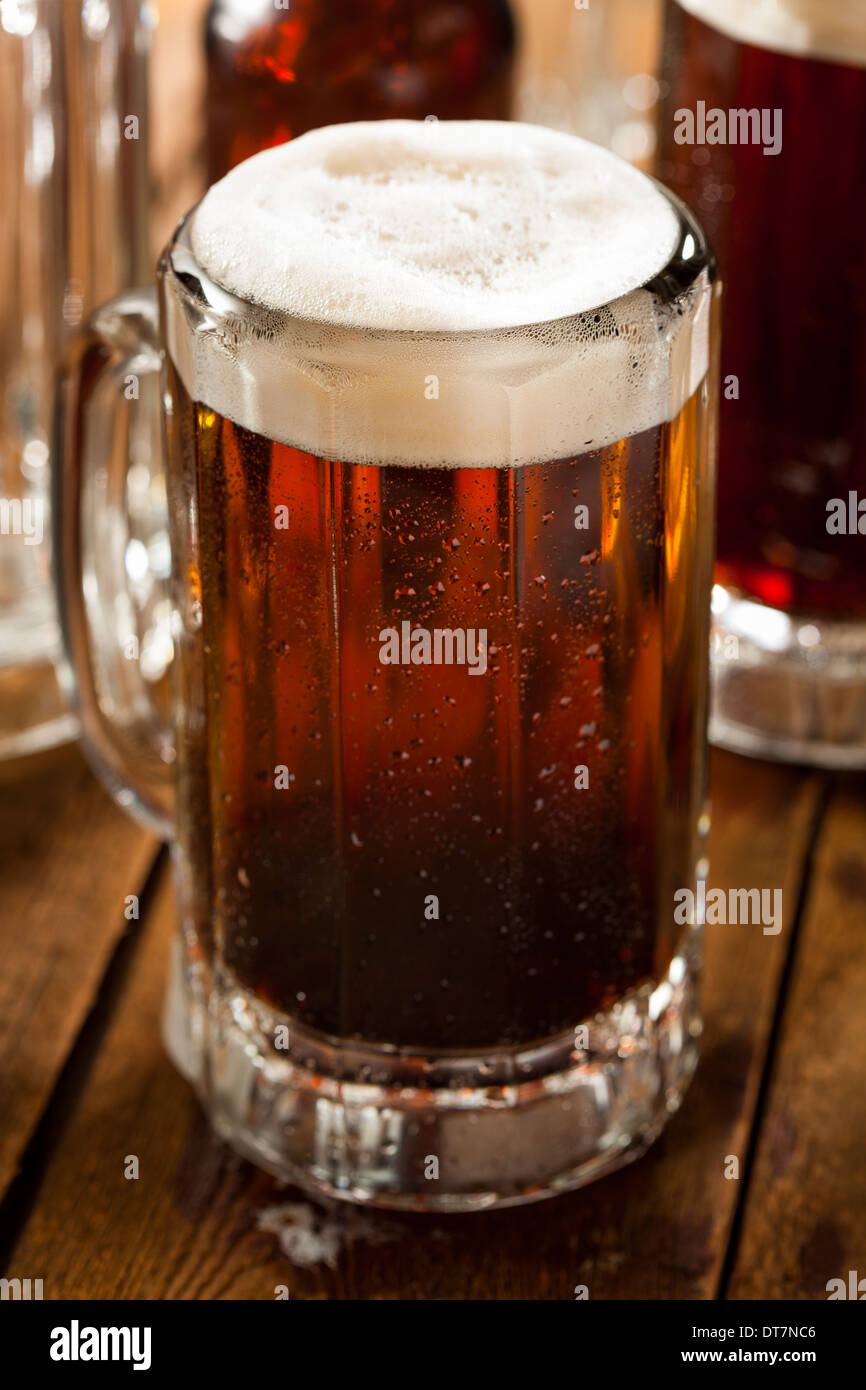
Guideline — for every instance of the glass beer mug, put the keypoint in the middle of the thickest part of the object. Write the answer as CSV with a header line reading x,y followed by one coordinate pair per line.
x,y
73,232
439,424
777,89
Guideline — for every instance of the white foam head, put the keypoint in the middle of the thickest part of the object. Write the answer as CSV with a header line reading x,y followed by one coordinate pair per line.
x,y
433,225
833,30
361,239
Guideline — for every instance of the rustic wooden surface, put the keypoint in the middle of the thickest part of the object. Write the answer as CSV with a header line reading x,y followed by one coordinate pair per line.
x,y
84,1083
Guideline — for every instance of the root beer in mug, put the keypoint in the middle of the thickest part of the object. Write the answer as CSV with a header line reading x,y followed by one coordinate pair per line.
x,y
762,133
439,426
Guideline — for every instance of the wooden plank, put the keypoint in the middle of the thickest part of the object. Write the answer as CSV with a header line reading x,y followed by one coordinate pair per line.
x,y
189,1227
805,1221
68,858
94,1233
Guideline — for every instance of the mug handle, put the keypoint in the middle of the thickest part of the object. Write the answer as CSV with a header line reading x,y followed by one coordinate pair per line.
x,y
113,559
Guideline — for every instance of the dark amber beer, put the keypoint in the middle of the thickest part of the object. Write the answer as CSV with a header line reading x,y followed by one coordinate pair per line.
x,y
274,73
441,490
788,229
414,780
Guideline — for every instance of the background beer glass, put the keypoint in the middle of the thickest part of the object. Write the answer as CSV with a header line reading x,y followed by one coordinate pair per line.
x,y
439,432
273,74
73,231
789,641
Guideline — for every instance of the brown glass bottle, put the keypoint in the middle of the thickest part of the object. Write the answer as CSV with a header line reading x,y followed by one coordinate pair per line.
x,y
274,73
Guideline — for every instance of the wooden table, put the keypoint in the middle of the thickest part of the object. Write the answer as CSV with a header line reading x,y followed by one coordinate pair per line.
x,y
84,1083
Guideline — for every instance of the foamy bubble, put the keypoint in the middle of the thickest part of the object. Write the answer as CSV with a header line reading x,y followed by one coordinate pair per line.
x,y
438,294
447,225
833,30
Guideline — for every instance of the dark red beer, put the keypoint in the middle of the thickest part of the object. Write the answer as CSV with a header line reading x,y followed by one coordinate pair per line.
x,y
273,74
788,231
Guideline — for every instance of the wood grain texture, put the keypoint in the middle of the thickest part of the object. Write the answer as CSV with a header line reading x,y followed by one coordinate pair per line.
x,y
805,1214
68,859
189,1226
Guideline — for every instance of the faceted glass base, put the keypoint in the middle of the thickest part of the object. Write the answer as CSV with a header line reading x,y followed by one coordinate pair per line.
x,y
438,1132
785,686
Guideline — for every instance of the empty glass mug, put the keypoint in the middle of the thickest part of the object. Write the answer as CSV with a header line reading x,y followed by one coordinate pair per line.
x,y
439,419
74,231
